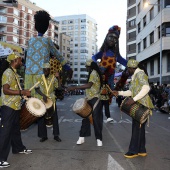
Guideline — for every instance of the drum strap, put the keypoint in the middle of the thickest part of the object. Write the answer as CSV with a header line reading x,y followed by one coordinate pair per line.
x,y
96,103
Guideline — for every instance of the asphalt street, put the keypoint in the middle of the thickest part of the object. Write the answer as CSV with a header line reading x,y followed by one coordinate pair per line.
x,y
66,155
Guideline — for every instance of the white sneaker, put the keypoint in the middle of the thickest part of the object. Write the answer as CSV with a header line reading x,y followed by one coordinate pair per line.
x,y
99,142
109,119
80,141
4,164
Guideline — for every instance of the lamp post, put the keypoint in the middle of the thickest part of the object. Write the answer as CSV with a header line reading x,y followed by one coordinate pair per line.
x,y
161,7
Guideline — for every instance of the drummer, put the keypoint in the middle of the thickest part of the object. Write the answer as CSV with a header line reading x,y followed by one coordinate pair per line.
x,y
11,104
92,87
46,89
139,90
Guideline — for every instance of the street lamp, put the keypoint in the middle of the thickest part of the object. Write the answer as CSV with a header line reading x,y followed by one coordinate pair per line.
x,y
161,7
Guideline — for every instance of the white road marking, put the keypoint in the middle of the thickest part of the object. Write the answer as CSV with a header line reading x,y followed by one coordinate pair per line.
x,y
120,148
113,164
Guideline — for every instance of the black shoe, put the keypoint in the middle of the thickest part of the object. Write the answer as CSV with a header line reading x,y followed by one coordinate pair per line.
x,y
130,155
57,139
43,139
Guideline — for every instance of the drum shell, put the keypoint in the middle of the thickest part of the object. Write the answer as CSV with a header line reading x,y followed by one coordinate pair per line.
x,y
49,117
137,111
27,117
84,111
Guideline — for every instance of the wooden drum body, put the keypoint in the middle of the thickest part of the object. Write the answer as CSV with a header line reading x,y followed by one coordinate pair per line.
x,y
136,110
30,112
49,113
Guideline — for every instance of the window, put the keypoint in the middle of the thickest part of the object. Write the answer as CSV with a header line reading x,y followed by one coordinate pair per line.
x,y
83,27
76,21
132,23
83,20
132,35
15,39
64,28
70,28
144,21
151,13
151,38
76,27
16,12
29,11
76,38
83,69
83,38
70,22
168,31
63,47
152,67
139,8
168,62
76,45
76,51
75,69
64,22
159,32
138,27
16,21
3,19
158,65
144,43
15,30
23,8
139,48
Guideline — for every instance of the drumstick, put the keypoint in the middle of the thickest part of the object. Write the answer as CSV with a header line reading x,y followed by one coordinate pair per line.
x,y
34,86
110,90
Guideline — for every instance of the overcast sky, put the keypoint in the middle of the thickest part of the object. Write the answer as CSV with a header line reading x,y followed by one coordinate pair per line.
x,y
106,13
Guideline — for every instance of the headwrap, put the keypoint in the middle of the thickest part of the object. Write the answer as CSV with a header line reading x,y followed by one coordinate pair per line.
x,y
88,62
46,65
115,29
132,63
13,56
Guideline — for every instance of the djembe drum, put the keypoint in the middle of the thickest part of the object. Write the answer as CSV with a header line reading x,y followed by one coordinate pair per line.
x,y
83,109
137,111
30,112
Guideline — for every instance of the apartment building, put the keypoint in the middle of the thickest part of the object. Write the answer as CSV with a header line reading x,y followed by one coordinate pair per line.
x,y
149,42
83,32
17,23
131,29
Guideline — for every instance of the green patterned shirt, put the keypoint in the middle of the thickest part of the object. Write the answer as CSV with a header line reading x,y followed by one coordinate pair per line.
x,y
140,79
94,91
48,87
104,93
12,101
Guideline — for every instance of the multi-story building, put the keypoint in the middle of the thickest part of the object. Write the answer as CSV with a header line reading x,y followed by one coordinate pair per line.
x,y
131,29
17,23
149,42
83,32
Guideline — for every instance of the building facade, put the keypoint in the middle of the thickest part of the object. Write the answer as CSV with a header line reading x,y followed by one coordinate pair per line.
x,y
149,42
17,23
83,32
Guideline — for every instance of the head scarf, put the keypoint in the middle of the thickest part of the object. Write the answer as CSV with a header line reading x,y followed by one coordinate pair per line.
x,y
132,63
115,29
46,65
13,56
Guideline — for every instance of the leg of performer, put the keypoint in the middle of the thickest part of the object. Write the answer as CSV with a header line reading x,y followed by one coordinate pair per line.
x,y
98,121
107,111
5,132
56,131
16,141
142,142
42,129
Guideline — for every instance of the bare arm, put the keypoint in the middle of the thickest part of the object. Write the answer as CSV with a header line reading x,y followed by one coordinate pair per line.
x,y
82,87
8,91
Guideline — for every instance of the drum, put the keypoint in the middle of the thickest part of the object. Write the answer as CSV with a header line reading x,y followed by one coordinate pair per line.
x,y
83,109
30,112
49,113
136,110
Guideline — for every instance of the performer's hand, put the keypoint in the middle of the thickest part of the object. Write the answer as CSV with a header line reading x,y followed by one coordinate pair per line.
x,y
26,93
130,101
115,93
57,75
45,98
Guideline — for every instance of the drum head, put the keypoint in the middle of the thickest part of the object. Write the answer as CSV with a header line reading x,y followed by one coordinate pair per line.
x,y
49,103
79,104
36,107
